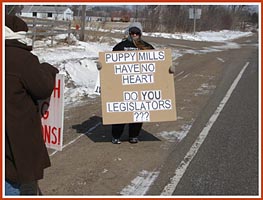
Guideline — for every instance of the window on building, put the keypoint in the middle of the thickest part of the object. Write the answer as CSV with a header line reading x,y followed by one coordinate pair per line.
x,y
49,15
34,14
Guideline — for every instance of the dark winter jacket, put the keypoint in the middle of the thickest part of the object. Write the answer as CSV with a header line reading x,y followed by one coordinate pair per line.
x,y
26,82
128,45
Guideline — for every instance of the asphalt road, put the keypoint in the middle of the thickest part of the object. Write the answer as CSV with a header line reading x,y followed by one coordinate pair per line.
x,y
227,162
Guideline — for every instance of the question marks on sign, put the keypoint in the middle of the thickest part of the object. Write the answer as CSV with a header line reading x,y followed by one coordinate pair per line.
x,y
141,116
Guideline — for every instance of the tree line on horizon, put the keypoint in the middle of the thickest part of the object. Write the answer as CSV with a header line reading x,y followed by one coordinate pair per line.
x,y
175,18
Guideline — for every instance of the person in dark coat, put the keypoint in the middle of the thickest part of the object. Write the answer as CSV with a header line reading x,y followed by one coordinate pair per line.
x,y
26,82
132,42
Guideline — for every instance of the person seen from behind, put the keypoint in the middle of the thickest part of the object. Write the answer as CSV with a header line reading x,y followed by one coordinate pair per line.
x,y
133,41
26,82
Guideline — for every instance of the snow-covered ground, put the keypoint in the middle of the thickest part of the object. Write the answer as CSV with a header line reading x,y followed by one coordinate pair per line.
x,y
77,60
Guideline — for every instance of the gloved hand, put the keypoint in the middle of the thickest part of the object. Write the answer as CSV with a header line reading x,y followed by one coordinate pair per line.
x,y
172,69
99,65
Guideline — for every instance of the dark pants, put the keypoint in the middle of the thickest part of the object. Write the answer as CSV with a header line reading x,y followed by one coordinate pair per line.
x,y
134,130
29,188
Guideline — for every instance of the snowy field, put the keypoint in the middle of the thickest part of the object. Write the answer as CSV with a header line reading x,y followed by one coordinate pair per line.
x,y
77,59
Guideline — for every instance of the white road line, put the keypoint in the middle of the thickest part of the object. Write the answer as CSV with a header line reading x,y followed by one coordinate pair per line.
x,y
220,59
184,77
179,172
141,184
179,74
74,140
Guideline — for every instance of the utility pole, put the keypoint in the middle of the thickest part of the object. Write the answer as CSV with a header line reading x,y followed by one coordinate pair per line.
x,y
83,19
194,19
136,13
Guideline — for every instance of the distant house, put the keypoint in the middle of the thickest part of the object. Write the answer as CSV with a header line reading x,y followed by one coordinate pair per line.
x,y
48,12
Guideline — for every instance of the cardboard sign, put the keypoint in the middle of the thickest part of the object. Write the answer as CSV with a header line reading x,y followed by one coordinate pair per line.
x,y
52,113
136,86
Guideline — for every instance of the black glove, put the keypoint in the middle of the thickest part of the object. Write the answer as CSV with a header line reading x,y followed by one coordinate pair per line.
x,y
172,69
99,65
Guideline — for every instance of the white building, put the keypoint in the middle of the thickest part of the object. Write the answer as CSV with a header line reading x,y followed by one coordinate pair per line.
x,y
48,12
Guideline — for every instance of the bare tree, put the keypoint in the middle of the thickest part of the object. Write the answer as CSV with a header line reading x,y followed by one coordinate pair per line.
x,y
175,18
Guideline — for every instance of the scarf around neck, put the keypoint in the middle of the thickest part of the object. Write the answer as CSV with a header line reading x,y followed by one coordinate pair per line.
x,y
20,35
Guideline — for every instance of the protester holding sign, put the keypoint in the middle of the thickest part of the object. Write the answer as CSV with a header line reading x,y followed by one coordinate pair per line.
x,y
133,42
26,82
